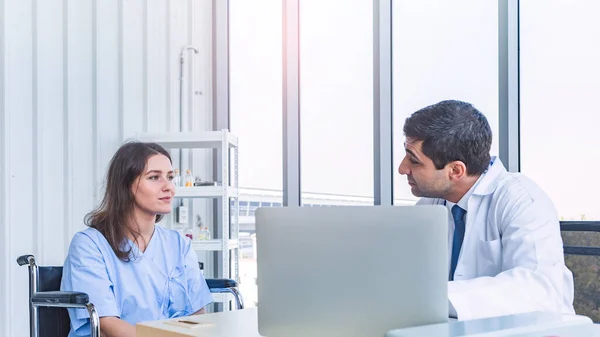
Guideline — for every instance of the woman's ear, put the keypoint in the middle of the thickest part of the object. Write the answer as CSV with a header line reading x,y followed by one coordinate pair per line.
x,y
457,170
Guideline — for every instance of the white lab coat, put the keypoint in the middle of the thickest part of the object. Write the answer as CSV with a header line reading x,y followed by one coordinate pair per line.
x,y
511,259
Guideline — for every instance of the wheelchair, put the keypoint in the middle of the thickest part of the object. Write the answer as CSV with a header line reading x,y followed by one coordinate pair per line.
x,y
48,316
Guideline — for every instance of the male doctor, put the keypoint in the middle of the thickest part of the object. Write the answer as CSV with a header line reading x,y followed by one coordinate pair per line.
x,y
504,242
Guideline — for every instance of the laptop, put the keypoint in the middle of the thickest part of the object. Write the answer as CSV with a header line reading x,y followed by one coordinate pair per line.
x,y
350,271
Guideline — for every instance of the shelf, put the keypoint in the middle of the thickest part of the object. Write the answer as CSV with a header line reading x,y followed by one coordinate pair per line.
x,y
222,297
204,192
214,244
188,140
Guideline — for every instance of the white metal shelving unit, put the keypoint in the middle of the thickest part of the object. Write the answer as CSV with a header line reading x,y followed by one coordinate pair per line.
x,y
225,191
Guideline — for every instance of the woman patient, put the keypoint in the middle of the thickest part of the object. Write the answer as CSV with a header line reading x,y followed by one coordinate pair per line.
x,y
131,269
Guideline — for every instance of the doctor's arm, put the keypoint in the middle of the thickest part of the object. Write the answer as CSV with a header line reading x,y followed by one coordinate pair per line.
x,y
532,274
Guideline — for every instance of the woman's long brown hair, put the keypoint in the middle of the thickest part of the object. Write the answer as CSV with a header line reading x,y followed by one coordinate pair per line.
x,y
116,209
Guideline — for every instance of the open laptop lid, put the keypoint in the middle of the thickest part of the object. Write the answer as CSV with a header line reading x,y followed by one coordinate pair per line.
x,y
350,271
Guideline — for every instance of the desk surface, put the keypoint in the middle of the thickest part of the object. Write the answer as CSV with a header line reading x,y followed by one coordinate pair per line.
x,y
529,324
236,323
243,323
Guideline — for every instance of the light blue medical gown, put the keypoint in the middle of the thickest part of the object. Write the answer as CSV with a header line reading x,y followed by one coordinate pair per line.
x,y
163,282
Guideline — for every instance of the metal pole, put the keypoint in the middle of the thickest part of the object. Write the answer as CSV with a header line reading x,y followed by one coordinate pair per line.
x,y
33,288
508,83
383,152
291,104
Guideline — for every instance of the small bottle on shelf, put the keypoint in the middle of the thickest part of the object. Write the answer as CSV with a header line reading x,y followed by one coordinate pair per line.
x,y
176,178
189,178
202,234
207,233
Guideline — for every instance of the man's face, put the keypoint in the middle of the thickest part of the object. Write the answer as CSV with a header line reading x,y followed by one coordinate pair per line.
x,y
424,179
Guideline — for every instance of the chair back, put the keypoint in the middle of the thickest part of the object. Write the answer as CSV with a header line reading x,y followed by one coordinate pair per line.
x,y
581,246
53,322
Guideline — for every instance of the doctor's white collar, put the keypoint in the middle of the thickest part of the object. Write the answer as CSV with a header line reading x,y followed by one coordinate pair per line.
x,y
488,181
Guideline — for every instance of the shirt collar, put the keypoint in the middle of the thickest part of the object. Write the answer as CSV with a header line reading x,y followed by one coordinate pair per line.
x,y
493,175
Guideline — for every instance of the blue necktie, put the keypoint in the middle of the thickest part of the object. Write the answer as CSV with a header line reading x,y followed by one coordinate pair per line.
x,y
459,234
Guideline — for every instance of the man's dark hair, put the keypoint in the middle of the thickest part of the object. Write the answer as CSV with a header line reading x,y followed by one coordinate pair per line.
x,y
452,130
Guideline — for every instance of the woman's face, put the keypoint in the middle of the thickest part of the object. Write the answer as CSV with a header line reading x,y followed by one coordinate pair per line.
x,y
153,190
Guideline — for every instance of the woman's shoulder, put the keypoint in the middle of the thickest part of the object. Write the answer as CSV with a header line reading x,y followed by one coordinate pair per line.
x,y
89,239
86,246
86,236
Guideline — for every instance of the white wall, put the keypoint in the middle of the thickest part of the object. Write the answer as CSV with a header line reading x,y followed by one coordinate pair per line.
x,y
77,77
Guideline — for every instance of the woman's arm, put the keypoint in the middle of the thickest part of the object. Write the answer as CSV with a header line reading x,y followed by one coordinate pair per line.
x,y
198,292
116,327
85,271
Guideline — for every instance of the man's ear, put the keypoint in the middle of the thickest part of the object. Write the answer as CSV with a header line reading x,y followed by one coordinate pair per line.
x,y
457,170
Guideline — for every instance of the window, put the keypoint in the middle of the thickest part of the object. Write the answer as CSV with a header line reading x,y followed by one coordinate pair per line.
x,y
336,99
442,50
253,206
559,71
255,104
243,207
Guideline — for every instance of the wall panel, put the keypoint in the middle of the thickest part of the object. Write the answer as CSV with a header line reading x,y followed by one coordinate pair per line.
x,y
77,76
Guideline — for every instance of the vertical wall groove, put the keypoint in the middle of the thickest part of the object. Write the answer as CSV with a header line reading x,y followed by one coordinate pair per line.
x,y
5,284
95,133
120,69
192,61
145,64
168,110
37,189
68,196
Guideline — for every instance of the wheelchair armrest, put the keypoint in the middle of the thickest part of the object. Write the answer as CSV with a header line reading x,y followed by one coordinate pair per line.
x,y
24,259
56,298
221,283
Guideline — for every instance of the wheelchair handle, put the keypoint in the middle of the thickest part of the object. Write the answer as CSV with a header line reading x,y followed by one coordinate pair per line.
x,y
25,259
